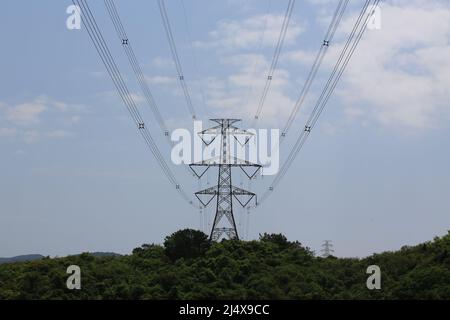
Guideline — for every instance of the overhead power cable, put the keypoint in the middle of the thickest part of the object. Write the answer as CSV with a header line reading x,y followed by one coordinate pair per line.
x,y
175,56
194,58
327,41
128,48
126,44
275,58
261,42
113,71
347,52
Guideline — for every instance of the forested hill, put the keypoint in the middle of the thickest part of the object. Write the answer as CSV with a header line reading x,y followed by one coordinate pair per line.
x,y
26,257
187,266
32,257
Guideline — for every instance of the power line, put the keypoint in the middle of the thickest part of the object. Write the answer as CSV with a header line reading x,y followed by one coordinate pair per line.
x,y
335,21
331,84
113,71
194,56
175,56
327,40
127,46
341,64
261,42
275,58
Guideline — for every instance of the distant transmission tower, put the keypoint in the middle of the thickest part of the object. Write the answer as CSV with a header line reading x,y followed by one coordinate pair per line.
x,y
327,249
224,190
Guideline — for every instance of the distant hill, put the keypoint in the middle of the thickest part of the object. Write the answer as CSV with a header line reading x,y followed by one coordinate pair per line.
x,y
26,257
105,254
33,257
188,266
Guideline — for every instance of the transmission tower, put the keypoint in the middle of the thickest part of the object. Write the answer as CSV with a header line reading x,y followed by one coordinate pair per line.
x,y
225,191
327,249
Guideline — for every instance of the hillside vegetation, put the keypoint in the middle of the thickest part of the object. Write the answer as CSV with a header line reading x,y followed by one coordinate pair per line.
x,y
187,266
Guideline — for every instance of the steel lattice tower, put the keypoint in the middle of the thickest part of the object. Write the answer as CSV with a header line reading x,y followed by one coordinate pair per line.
x,y
327,248
225,191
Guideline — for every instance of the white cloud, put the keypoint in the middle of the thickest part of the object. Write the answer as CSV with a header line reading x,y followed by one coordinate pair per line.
x,y
75,119
30,136
398,78
34,120
300,56
161,80
322,2
29,113
25,113
137,97
58,134
261,30
163,63
238,94
7,132
98,74
34,135
244,6
400,75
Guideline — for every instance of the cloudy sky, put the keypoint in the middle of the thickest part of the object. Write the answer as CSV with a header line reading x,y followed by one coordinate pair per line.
x,y
75,175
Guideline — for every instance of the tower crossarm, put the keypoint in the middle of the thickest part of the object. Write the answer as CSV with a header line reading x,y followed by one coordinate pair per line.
x,y
211,191
241,192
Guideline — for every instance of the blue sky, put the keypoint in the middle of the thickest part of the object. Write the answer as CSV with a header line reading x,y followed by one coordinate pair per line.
x,y
75,175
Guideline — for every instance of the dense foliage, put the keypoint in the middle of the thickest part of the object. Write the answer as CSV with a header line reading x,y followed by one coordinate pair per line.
x,y
187,266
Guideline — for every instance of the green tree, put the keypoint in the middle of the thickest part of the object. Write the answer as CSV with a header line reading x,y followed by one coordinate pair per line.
x,y
187,243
